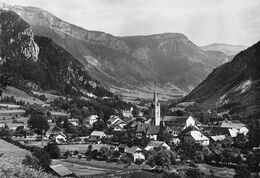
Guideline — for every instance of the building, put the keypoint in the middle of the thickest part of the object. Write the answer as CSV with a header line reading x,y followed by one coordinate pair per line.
x,y
195,136
97,135
141,129
74,122
61,170
90,120
217,133
136,152
122,148
180,122
157,145
59,138
235,127
152,132
156,110
114,120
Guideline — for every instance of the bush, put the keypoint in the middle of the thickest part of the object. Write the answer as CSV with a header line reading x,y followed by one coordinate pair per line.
x,y
43,157
53,150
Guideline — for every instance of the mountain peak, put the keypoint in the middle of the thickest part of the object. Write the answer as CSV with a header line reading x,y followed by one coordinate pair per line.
x,y
228,49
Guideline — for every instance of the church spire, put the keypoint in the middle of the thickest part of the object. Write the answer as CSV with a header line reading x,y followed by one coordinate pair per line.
x,y
156,109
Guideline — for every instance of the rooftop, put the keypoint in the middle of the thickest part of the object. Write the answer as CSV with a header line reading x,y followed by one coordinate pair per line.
x,y
153,130
61,170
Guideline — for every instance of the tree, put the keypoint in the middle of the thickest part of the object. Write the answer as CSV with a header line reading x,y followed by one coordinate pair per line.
x,y
31,161
240,141
164,158
127,159
195,173
139,161
39,123
105,153
42,156
99,125
5,133
242,171
53,150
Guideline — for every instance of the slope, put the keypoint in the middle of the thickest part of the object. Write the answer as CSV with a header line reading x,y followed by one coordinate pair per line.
x,y
235,83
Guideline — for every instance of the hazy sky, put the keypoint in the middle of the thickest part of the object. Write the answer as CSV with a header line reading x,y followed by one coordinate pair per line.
x,y
203,21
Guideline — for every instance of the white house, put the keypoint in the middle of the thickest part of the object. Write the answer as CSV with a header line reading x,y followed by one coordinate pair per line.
x,y
114,120
97,135
196,137
90,120
59,138
157,145
136,152
181,121
235,127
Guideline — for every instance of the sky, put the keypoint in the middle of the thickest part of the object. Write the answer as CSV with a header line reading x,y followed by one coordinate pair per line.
x,y
202,21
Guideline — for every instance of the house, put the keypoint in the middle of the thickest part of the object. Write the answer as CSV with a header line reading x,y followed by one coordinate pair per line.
x,y
97,135
114,120
61,170
235,127
236,124
2,125
181,121
141,129
152,132
136,152
57,114
59,138
90,120
74,122
127,113
122,148
195,136
118,128
217,133
157,145
218,137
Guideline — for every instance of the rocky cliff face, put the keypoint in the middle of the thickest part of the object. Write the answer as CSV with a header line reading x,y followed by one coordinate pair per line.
x,y
129,64
39,63
16,38
235,83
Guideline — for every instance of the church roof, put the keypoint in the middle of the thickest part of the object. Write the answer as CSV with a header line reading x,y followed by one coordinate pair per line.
x,y
142,127
153,130
177,120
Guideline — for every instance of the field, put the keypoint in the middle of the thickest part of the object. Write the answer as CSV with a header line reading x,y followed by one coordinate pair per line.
x,y
21,95
12,151
82,148
85,170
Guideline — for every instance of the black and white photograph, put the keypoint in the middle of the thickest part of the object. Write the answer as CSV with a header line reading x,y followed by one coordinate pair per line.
x,y
130,88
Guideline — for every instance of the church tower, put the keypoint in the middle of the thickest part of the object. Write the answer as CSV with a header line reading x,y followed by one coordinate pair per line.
x,y
156,110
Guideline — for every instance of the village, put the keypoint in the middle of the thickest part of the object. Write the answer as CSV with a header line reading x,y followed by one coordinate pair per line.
x,y
129,140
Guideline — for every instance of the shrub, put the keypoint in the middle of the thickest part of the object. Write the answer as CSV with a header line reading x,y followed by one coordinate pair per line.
x,y
53,150
43,157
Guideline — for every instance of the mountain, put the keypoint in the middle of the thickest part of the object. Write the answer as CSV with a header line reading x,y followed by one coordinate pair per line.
x,y
34,62
228,49
235,84
129,65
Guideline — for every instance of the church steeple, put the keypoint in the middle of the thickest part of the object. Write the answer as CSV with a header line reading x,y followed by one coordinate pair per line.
x,y
156,115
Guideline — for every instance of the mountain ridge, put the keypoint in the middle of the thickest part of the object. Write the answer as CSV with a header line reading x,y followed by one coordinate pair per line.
x,y
132,63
